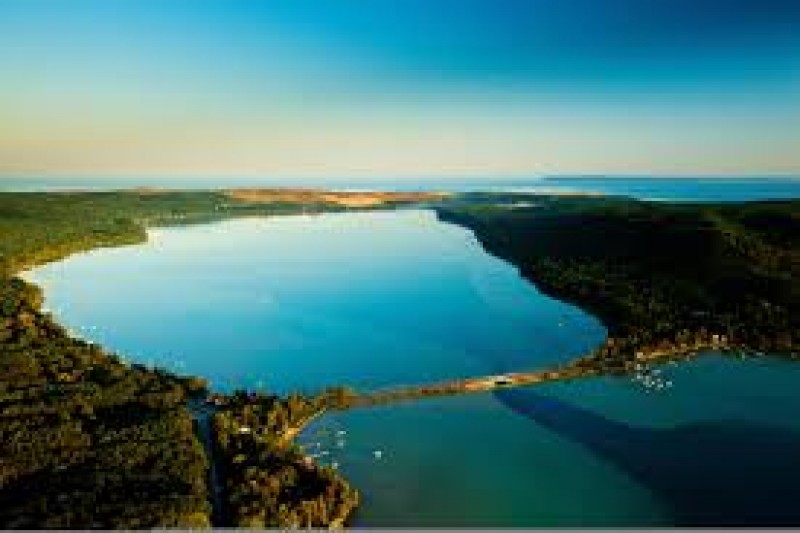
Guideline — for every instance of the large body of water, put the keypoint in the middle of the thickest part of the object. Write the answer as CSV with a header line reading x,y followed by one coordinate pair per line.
x,y
303,302
680,189
388,298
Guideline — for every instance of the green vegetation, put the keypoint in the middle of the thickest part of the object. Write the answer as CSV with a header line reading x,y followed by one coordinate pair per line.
x,y
40,227
86,441
665,279
269,482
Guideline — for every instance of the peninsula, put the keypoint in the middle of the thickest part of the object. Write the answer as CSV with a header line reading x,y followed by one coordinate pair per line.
x,y
666,279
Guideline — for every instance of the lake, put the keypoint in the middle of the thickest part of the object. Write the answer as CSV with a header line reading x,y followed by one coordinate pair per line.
x,y
391,298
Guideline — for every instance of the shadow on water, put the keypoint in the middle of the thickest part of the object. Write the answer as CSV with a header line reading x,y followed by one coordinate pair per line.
x,y
720,473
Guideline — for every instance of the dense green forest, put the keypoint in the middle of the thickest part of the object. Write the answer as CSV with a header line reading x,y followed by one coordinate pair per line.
x,y
664,278
85,440
269,482
39,227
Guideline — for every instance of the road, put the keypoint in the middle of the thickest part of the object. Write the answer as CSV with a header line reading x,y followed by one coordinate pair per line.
x,y
466,386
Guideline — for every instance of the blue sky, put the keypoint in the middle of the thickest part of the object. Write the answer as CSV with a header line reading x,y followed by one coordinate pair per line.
x,y
399,87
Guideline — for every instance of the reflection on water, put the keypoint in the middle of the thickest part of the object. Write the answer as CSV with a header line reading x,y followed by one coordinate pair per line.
x,y
720,473
376,299
717,448
304,302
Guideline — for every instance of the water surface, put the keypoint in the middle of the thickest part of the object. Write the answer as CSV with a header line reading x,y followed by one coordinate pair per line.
x,y
303,302
388,298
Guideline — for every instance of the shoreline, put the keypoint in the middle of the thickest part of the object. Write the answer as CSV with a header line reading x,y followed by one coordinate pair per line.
x,y
595,359
286,438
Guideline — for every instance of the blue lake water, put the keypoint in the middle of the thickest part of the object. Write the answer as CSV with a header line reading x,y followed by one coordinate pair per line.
x,y
388,298
303,302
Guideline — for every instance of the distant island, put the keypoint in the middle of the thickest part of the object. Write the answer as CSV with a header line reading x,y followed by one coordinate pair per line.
x,y
90,442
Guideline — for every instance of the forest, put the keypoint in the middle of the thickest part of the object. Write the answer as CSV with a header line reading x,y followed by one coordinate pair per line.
x,y
36,228
665,278
85,440
269,482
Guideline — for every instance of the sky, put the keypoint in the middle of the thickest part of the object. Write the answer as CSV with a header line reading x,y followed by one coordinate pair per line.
x,y
394,88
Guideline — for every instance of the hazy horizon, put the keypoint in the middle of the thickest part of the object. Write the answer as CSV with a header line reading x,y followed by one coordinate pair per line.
x,y
306,89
